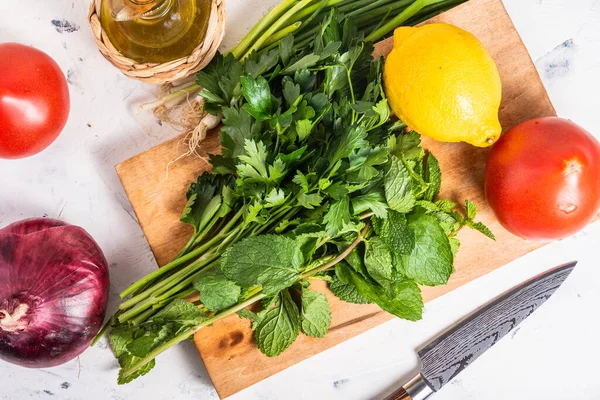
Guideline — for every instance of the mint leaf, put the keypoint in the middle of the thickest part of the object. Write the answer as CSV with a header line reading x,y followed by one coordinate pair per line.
x,y
142,345
337,216
430,262
454,246
316,315
395,233
407,145
471,209
278,327
397,184
272,261
120,337
180,312
247,314
347,293
445,205
216,291
127,361
433,176
407,304
378,260
480,227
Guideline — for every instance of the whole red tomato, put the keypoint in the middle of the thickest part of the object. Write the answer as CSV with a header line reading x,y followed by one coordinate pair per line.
x,y
542,179
34,100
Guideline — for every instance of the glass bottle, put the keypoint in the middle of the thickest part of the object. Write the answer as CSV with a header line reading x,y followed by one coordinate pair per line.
x,y
155,31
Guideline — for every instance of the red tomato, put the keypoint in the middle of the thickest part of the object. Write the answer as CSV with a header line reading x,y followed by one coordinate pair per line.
x,y
542,179
34,100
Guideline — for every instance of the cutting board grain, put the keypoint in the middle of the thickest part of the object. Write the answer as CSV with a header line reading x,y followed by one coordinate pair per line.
x,y
230,356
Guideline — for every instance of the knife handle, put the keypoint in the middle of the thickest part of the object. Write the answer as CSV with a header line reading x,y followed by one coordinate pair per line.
x,y
400,394
416,389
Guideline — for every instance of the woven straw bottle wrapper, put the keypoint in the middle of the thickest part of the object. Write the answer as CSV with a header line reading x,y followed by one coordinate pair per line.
x,y
169,71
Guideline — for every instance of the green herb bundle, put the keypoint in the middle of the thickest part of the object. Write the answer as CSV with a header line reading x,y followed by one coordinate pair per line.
x,y
314,182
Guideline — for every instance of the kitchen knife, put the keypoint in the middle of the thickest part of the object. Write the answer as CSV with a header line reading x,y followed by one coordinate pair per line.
x,y
450,353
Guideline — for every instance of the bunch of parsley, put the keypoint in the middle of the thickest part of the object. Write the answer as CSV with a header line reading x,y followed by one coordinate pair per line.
x,y
314,182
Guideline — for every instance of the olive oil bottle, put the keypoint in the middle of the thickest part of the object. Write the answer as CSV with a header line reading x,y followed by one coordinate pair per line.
x,y
155,31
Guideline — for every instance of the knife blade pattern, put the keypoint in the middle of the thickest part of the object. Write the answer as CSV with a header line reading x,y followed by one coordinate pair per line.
x,y
453,351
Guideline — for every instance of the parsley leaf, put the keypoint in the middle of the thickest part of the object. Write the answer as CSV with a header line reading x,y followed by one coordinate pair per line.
x,y
373,201
310,201
338,216
204,199
258,95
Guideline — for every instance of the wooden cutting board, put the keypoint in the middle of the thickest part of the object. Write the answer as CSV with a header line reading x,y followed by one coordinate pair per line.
x,y
231,358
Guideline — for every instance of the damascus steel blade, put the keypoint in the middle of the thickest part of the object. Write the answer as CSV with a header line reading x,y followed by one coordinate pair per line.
x,y
446,356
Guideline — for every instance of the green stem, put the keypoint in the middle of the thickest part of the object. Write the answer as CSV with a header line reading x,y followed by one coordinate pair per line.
x,y
276,26
175,263
175,98
142,317
282,33
183,336
405,15
167,283
227,228
376,17
223,314
308,11
249,41
107,325
370,6
161,297
186,248
339,258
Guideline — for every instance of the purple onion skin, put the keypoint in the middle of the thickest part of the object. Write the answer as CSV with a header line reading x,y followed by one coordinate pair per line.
x,y
53,292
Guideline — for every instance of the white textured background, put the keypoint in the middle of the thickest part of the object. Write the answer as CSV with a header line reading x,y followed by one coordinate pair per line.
x,y
551,356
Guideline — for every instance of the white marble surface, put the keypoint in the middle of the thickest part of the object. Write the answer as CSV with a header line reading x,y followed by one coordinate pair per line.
x,y
552,355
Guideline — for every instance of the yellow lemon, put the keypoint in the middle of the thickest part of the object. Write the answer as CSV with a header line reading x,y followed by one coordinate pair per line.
x,y
442,83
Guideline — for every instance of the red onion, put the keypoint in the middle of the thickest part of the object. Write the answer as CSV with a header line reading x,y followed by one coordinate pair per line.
x,y
53,292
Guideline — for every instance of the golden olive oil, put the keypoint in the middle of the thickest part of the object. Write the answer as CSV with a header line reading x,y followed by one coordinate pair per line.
x,y
170,30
